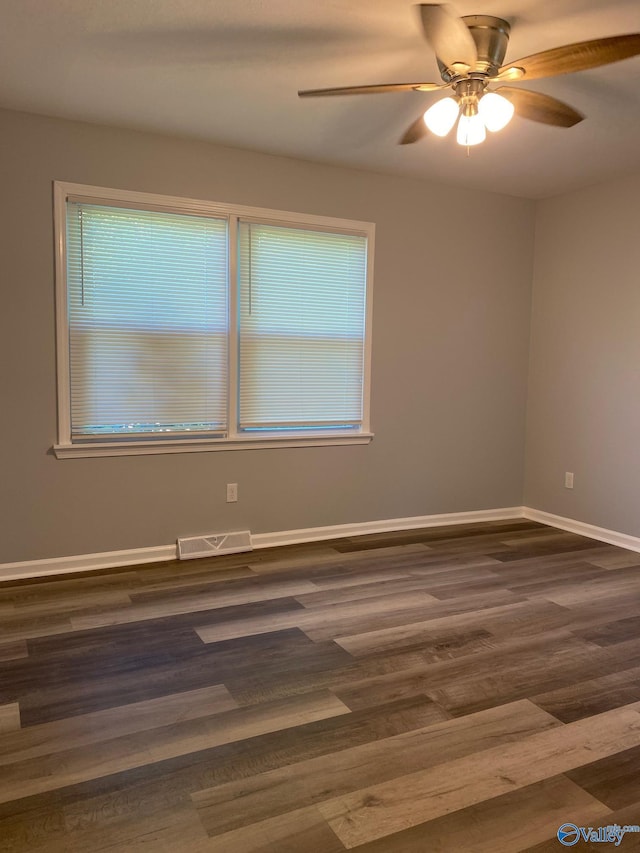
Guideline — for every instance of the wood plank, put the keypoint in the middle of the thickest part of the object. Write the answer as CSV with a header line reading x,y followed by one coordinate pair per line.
x,y
319,618
291,681
518,670
315,561
9,719
48,588
507,618
228,592
467,609
84,730
330,582
380,810
152,663
611,633
614,780
22,627
13,651
193,603
608,590
311,782
502,824
602,610
370,589
83,602
32,830
173,829
531,537
290,832
547,563
378,692
581,699
244,723
69,767
435,564
579,547
563,578
183,579
616,558
497,671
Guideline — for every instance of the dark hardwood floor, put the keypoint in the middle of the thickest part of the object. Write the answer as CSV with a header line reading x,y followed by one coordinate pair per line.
x,y
461,689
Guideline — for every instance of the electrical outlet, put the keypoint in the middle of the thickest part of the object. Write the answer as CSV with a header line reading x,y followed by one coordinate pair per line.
x,y
568,480
232,493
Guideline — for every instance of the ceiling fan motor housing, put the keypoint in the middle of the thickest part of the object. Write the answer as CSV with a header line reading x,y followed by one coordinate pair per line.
x,y
491,37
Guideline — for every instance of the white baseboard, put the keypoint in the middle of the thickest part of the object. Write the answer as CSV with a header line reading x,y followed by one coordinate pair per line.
x,y
161,553
611,537
86,562
338,531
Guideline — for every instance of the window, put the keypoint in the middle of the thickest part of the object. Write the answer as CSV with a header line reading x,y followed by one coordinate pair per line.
x,y
185,325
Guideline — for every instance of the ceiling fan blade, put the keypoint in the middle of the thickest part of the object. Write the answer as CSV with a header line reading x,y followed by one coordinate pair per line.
x,y
543,108
449,36
372,90
415,132
509,73
576,57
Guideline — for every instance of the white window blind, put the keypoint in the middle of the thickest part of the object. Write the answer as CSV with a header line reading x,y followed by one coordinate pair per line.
x,y
302,327
188,325
147,296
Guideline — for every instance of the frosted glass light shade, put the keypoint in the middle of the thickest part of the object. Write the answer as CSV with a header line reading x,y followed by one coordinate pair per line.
x,y
471,130
441,117
496,111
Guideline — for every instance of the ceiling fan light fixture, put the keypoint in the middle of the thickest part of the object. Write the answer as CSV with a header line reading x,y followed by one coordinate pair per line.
x,y
471,130
470,53
496,111
441,117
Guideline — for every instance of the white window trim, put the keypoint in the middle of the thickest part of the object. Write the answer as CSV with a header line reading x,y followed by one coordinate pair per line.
x,y
65,448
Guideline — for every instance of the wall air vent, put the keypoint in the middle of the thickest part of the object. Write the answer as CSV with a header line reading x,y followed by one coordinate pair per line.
x,y
215,543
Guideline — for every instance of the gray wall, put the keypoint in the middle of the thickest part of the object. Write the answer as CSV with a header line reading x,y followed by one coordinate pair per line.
x,y
584,385
450,353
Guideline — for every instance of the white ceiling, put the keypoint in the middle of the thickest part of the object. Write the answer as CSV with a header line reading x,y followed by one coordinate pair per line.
x,y
229,70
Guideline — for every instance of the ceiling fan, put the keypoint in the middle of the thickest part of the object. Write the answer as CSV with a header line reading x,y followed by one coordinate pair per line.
x,y
470,53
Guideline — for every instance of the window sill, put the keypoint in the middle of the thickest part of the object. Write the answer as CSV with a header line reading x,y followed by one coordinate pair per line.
x,y
146,448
